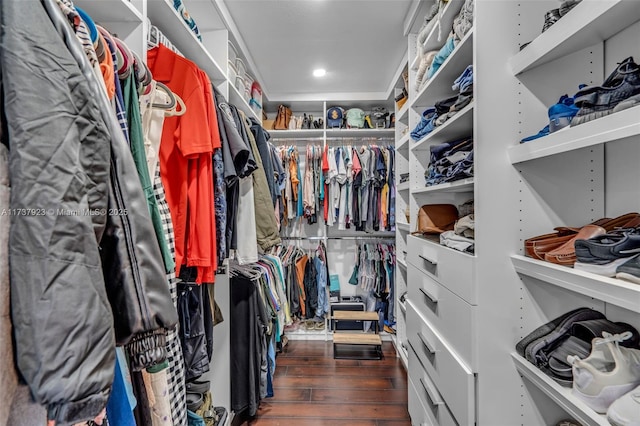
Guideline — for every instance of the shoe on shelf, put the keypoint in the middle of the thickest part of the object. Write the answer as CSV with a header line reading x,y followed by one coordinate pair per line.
x,y
560,116
630,270
566,253
606,270
607,373
606,248
627,103
389,329
625,411
540,134
599,101
550,18
567,5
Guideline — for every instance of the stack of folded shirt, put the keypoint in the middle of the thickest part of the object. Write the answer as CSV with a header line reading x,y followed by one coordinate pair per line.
x,y
461,238
443,110
450,161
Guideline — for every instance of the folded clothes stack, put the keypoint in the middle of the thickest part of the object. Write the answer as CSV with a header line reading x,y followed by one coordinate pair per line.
x,y
461,238
444,109
450,161
608,247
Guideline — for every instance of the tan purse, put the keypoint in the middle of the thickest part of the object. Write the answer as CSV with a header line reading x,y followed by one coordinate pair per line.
x,y
282,119
436,218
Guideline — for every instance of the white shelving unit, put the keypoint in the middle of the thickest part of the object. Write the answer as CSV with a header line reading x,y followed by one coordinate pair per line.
x,y
439,86
360,133
403,143
404,186
588,23
611,290
458,126
561,396
463,185
297,134
402,113
612,128
403,226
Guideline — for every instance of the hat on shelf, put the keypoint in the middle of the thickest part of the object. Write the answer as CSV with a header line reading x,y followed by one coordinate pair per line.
x,y
355,118
335,116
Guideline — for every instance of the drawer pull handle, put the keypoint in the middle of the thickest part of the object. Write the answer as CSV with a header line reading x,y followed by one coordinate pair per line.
x,y
432,262
431,393
428,295
426,344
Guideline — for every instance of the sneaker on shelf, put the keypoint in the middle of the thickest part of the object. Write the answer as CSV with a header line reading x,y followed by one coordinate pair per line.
x,y
627,103
630,270
567,5
600,101
560,116
550,18
606,270
607,373
625,411
389,329
603,249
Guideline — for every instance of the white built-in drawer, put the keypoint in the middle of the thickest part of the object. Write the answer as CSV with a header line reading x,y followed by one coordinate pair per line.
x,y
451,268
452,376
451,316
424,399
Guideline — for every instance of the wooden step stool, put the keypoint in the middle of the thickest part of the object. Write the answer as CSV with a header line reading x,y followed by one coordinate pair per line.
x,y
370,339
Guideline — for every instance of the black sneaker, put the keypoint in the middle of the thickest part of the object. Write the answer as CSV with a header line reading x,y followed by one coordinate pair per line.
x,y
611,246
567,5
600,101
550,18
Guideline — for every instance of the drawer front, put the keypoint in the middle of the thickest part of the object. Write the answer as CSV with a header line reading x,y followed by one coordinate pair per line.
x,y
451,316
421,388
451,268
420,415
454,379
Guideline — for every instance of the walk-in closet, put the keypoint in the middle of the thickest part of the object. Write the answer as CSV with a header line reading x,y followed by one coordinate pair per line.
x,y
319,212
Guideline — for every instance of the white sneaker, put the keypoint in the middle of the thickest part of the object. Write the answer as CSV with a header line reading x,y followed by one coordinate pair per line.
x,y
625,411
607,373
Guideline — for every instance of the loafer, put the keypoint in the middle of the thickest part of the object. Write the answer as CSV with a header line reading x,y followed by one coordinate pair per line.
x,y
566,253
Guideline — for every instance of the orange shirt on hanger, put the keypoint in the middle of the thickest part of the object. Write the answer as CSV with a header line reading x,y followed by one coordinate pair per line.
x,y
185,162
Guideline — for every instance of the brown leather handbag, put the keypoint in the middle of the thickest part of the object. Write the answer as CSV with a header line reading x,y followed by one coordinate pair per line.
x,y
283,118
436,218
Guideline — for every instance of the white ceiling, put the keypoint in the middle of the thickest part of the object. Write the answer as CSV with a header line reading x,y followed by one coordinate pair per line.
x,y
359,42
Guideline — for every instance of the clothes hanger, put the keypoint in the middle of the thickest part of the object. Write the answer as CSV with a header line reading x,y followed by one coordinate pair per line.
x,y
175,112
172,97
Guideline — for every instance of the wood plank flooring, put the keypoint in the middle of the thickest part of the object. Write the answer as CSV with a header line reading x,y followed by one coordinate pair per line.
x,y
313,389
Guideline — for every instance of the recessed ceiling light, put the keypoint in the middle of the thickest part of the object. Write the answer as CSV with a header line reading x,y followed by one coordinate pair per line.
x,y
320,72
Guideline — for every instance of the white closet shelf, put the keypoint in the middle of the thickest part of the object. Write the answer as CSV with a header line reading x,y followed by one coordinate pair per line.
x,y
439,86
403,307
238,100
361,133
560,395
449,12
404,186
107,11
404,354
403,142
610,290
166,18
296,134
614,127
415,63
462,185
588,23
402,226
459,126
402,115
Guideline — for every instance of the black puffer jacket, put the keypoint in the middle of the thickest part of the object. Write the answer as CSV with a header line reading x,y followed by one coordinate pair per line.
x,y
80,281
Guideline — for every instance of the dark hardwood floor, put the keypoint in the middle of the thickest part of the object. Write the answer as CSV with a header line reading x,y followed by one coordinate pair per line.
x,y
313,389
